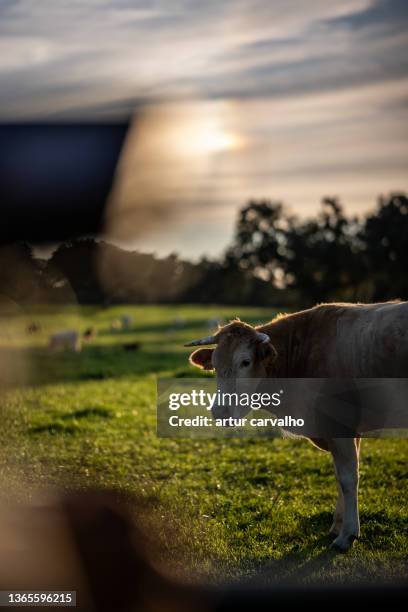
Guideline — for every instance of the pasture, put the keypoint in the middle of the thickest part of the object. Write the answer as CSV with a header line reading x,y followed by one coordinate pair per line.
x,y
217,509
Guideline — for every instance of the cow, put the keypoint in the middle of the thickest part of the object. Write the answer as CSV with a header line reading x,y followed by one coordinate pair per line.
x,y
68,338
326,341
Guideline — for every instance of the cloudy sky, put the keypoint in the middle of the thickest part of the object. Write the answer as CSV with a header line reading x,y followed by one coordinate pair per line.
x,y
281,99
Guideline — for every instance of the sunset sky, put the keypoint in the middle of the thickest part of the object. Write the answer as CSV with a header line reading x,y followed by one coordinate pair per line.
x,y
281,99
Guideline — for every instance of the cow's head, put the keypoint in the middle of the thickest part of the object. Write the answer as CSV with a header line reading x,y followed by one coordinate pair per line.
x,y
240,352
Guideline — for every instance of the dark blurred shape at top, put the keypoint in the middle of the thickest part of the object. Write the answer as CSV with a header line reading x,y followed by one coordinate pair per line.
x,y
55,178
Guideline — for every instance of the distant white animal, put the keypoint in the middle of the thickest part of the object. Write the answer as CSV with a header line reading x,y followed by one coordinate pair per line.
x,y
67,339
116,325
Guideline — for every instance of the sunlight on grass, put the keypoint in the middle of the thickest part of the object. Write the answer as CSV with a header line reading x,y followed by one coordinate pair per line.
x,y
220,509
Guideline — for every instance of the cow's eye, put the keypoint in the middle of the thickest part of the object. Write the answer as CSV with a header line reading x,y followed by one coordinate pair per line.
x,y
245,363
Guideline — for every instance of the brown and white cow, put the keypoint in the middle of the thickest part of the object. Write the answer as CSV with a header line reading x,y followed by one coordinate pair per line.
x,y
327,341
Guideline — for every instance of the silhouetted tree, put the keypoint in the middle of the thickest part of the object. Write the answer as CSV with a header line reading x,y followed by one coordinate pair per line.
x,y
76,263
261,239
275,259
323,255
20,274
385,239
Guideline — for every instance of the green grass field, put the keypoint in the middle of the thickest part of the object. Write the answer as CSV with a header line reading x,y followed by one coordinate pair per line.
x,y
217,508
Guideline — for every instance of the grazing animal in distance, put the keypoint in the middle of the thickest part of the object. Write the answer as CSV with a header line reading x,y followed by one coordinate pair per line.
x,y
327,341
131,346
89,333
67,339
33,328
127,321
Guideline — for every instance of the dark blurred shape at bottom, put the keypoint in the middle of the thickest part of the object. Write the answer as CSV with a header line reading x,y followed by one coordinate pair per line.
x,y
89,542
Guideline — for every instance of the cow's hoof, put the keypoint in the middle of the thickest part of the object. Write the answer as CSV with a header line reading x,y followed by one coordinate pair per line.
x,y
335,529
343,543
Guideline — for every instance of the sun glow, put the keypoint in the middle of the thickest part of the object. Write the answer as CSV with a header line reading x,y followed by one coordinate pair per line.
x,y
194,129
204,135
172,160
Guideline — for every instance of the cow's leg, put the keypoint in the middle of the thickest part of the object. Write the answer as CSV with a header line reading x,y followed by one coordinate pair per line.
x,y
345,457
339,510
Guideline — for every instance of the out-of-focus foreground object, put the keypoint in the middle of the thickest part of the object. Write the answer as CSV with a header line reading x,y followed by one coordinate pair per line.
x,y
88,542
55,178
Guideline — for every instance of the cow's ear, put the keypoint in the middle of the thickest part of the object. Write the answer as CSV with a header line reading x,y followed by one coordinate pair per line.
x,y
267,352
202,358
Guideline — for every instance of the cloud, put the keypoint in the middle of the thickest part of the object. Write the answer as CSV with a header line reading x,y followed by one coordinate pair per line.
x,y
320,94
125,48
387,15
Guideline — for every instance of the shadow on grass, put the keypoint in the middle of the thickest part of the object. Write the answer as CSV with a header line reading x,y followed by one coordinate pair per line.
x,y
377,526
302,560
164,327
311,554
68,423
160,328
86,413
95,362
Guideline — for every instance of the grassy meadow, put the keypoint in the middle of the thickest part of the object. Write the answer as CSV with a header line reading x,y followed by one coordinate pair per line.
x,y
216,508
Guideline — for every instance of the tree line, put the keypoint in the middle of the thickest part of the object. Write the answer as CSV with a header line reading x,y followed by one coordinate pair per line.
x,y
275,258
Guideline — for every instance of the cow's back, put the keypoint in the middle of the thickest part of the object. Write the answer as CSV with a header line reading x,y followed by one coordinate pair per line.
x,y
370,341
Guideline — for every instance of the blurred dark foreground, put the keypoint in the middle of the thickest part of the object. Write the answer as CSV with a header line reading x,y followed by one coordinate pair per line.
x,y
89,542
